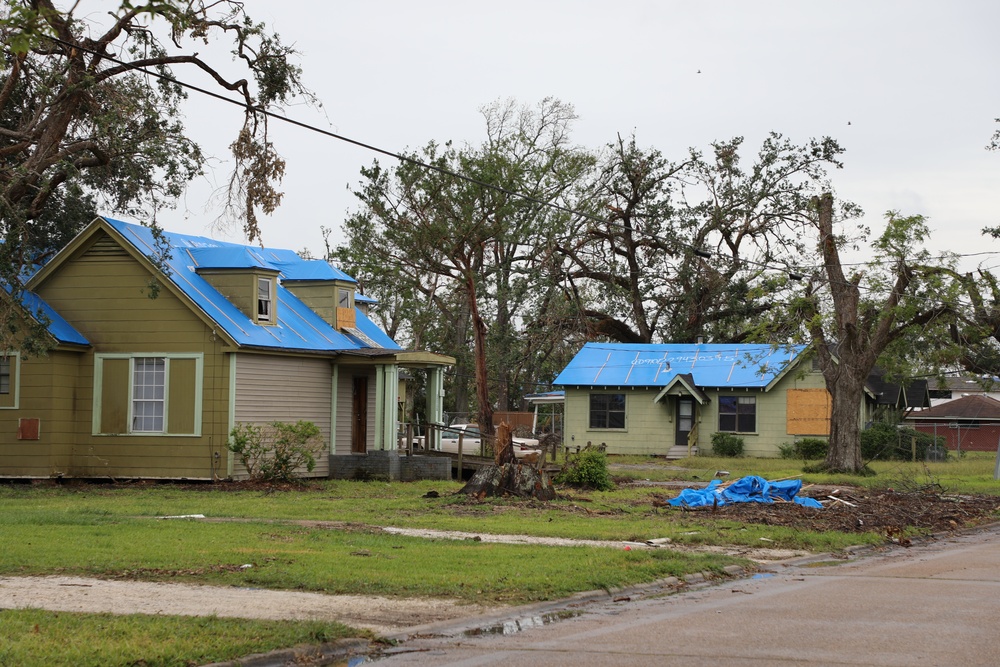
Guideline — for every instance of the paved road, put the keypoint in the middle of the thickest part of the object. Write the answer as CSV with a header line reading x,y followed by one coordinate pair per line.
x,y
937,603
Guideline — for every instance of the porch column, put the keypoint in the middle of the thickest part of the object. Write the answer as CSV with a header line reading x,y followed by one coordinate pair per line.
x,y
435,401
386,405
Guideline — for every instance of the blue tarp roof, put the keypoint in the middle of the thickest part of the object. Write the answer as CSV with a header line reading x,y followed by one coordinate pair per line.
x,y
298,328
61,330
655,365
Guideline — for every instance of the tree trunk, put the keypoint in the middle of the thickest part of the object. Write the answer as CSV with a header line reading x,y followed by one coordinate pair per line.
x,y
484,407
461,366
844,454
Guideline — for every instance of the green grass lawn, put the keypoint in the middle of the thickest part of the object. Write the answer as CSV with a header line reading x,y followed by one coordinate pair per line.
x,y
324,537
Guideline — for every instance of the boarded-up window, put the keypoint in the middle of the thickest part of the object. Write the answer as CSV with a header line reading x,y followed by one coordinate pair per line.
x,y
808,412
114,396
182,398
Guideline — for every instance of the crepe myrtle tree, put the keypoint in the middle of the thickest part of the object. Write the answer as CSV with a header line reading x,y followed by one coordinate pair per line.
x,y
90,116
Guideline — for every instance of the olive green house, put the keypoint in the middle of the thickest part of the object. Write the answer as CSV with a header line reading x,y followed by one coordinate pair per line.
x,y
668,399
162,343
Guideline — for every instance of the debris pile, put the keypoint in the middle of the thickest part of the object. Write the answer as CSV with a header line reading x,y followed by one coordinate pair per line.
x,y
886,511
749,489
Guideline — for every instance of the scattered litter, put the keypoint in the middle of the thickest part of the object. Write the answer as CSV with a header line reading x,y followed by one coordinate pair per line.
x,y
628,548
658,542
246,566
749,489
184,516
841,500
766,539
721,473
763,575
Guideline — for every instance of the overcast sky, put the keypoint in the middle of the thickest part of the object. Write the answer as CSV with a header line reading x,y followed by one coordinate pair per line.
x,y
908,88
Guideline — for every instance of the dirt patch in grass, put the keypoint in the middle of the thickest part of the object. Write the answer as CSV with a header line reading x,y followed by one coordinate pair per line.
x,y
858,510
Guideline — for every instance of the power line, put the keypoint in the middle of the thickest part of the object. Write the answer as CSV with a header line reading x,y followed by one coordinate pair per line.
x,y
795,272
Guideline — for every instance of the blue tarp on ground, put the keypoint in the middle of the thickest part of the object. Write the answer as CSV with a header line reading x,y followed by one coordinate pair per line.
x,y
749,489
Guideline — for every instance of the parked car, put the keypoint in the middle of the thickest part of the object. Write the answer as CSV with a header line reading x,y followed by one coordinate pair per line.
x,y
472,437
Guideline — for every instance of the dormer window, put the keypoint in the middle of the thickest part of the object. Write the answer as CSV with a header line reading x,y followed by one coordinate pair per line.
x,y
264,299
343,298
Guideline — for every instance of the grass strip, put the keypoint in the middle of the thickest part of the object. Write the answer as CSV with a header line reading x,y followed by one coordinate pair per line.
x,y
32,637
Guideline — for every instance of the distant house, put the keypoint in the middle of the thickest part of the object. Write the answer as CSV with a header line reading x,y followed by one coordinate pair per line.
x,y
969,423
895,397
141,387
946,389
661,399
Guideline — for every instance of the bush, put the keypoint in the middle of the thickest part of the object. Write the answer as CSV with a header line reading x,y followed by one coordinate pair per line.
x,y
806,449
727,444
274,452
588,469
884,441
811,448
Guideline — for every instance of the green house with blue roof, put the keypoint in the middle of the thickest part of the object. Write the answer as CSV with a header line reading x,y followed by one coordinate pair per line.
x,y
160,346
668,399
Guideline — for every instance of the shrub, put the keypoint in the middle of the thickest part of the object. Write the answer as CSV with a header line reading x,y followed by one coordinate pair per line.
x,y
727,444
274,452
588,469
887,442
811,448
787,451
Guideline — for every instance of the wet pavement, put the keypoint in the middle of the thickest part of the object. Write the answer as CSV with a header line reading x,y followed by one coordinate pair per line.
x,y
937,603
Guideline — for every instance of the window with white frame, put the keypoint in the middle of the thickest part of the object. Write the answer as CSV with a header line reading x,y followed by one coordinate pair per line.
x,y
148,394
264,299
738,414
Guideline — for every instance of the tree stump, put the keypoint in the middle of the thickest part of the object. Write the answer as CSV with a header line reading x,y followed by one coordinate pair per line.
x,y
510,479
503,452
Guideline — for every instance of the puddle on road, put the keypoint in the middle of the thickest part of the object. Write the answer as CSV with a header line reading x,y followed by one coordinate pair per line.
x,y
517,625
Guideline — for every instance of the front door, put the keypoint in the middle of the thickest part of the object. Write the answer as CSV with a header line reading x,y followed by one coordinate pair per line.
x,y
685,419
359,410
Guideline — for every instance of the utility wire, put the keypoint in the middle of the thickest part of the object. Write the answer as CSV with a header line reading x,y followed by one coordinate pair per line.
x,y
793,272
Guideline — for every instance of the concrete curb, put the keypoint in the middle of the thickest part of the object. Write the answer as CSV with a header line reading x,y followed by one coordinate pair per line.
x,y
309,654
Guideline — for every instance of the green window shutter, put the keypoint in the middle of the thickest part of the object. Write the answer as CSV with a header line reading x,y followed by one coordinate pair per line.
x,y
114,396
182,396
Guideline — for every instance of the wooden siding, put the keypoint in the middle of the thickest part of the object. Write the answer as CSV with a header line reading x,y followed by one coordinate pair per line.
x,y
288,389
240,288
105,293
320,296
345,389
650,428
47,393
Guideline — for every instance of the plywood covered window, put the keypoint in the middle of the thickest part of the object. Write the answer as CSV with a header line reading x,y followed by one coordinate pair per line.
x,y
808,412
147,394
607,411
